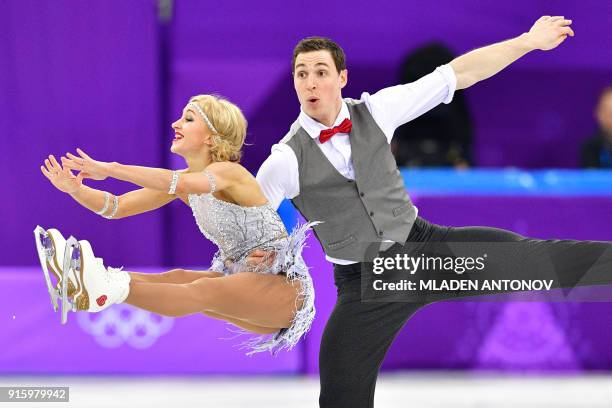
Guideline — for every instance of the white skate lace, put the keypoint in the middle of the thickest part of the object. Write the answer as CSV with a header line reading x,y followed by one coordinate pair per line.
x,y
112,272
109,268
115,275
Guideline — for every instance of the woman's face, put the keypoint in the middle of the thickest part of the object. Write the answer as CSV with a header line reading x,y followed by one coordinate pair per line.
x,y
191,134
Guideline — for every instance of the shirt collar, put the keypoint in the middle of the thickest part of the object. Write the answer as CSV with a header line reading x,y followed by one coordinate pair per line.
x,y
314,128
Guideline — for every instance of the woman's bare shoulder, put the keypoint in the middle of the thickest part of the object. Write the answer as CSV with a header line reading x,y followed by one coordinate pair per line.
x,y
225,166
231,170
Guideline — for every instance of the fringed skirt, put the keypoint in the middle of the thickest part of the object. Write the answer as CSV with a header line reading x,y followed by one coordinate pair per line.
x,y
286,259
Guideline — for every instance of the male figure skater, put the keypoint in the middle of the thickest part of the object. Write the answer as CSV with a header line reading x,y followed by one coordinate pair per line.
x,y
336,166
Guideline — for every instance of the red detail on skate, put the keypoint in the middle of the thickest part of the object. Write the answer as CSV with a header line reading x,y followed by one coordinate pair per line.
x,y
101,300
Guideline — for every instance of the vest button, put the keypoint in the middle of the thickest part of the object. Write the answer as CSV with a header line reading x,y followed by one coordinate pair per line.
x,y
380,233
362,194
371,213
349,181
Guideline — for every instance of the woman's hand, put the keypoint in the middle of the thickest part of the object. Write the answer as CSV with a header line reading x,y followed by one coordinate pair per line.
x,y
62,178
96,170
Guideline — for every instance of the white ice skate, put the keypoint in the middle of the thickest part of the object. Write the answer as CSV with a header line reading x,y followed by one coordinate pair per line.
x,y
99,287
55,256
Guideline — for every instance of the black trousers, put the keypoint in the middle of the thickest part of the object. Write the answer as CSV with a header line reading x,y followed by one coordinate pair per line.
x,y
358,334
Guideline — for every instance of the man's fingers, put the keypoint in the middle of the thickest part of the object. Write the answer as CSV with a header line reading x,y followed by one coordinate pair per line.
x,y
556,18
559,41
259,256
563,23
263,254
567,31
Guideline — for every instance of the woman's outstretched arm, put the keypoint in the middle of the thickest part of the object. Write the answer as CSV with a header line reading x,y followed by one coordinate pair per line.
x,y
66,182
225,174
130,203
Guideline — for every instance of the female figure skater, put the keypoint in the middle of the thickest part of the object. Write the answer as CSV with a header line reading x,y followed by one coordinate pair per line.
x,y
275,296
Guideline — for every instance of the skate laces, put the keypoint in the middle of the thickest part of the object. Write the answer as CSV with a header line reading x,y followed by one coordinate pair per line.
x,y
109,269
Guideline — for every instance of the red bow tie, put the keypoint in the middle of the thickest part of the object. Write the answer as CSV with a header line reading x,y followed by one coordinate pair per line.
x,y
344,127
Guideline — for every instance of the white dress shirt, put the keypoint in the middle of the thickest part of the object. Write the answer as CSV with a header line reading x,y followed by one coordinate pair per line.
x,y
391,107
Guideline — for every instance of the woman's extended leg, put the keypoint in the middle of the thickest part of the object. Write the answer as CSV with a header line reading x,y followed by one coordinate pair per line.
x,y
260,299
173,276
183,276
242,324
188,276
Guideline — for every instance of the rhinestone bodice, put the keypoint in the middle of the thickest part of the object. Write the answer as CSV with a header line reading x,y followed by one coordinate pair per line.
x,y
234,229
237,231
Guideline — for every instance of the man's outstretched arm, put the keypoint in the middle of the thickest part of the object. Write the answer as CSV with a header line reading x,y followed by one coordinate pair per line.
x,y
547,33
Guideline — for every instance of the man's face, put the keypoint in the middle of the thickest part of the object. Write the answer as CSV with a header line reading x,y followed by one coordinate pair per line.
x,y
604,113
319,85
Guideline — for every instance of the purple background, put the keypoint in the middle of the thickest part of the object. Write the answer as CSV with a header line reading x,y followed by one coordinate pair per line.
x,y
109,77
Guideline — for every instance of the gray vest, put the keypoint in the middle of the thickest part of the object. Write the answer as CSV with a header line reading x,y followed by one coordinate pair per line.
x,y
355,213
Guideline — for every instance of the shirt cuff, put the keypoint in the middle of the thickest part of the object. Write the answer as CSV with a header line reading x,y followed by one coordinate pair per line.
x,y
451,81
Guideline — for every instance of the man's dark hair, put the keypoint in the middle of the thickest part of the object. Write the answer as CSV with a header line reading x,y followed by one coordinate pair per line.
x,y
320,43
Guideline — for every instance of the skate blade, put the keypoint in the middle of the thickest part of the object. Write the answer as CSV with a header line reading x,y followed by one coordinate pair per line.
x,y
43,245
81,300
54,263
72,260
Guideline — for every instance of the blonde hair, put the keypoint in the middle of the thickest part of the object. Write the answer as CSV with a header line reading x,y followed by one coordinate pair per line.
x,y
230,123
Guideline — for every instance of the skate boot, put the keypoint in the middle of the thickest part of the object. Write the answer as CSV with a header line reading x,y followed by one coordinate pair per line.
x,y
51,248
99,287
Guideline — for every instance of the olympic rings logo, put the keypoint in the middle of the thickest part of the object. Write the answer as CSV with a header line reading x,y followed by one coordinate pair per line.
x,y
123,323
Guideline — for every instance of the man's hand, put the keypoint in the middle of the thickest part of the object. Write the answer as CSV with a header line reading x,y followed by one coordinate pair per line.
x,y
482,63
548,32
254,261
258,257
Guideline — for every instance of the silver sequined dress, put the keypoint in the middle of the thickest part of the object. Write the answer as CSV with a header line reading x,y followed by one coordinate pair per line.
x,y
238,230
